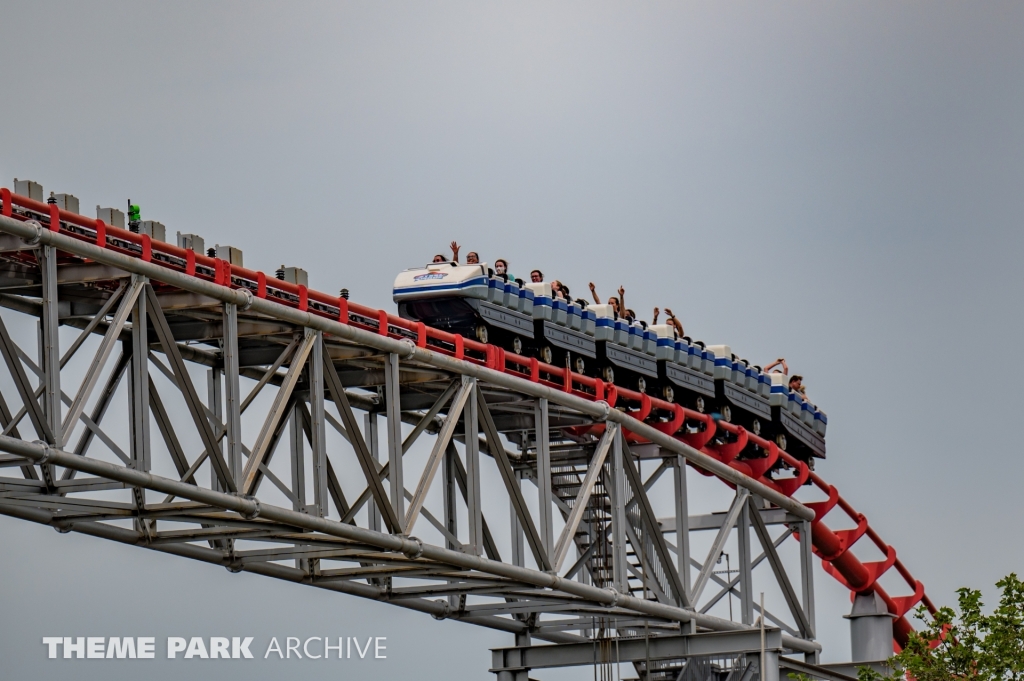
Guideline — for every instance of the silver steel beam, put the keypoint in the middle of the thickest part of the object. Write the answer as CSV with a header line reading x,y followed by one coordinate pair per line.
x,y
318,426
232,393
50,355
682,523
393,410
366,461
761,530
444,436
636,650
508,476
277,412
474,493
738,504
251,508
404,349
545,516
99,360
188,391
572,523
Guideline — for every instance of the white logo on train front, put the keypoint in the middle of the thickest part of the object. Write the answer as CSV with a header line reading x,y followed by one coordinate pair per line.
x,y
432,275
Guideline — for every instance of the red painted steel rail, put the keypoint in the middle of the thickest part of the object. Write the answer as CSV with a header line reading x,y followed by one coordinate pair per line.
x,y
834,547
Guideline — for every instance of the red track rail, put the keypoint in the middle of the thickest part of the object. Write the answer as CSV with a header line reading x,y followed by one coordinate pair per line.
x,y
834,547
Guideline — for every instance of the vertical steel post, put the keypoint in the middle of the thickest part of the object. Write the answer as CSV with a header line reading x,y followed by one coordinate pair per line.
x,y
518,539
522,640
547,532
870,629
451,495
215,400
297,451
746,578
232,399
318,426
771,666
616,492
474,494
373,444
392,399
139,386
50,360
682,523
807,581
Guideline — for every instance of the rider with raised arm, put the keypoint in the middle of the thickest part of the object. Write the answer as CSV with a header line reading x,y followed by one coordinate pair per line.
x,y
472,258
672,320
616,303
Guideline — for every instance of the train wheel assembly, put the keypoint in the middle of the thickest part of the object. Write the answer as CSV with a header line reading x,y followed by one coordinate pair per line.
x,y
517,345
546,355
481,333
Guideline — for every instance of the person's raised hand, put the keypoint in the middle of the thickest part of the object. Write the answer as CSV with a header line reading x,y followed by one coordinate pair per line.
x,y
622,292
657,311
592,287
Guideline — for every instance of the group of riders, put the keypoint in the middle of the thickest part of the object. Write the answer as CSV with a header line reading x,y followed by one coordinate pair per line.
x,y
560,290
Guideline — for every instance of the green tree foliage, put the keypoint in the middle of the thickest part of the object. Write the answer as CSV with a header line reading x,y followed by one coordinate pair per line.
x,y
971,646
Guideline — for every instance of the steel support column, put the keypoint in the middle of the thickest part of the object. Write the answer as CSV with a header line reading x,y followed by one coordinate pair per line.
x,y
615,486
392,401
682,522
745,567
50,343
318,427
232,393
215,403
370,433
474,494
807,576
545,518
297,452
139,388
518,538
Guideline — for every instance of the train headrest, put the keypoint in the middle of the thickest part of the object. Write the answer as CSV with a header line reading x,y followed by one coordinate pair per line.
x,y
541,288
662,330
778,378
721,351
602,311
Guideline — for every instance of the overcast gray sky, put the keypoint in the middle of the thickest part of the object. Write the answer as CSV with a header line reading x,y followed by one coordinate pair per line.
x,y
836,183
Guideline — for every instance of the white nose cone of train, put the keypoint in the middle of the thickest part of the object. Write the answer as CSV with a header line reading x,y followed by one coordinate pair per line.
x,y
441,280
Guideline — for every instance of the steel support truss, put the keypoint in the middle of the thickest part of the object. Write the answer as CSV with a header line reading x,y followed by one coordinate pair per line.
x,y
281,470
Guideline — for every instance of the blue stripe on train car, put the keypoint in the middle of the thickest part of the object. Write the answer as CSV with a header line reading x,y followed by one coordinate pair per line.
x,y
440,287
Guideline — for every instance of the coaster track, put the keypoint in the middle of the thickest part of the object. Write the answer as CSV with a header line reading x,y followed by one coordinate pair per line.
x,y
28,226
